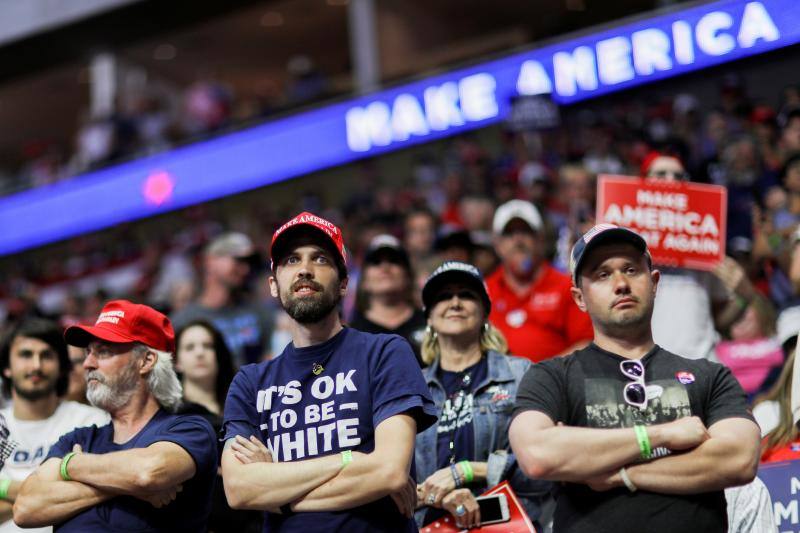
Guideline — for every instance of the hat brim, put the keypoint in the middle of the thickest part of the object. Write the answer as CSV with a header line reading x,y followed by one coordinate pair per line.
x,y
278,248
607,236
81,336
434,285
397,255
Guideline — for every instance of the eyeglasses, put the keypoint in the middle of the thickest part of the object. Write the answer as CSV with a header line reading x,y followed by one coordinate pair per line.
x,y
636,392
680,175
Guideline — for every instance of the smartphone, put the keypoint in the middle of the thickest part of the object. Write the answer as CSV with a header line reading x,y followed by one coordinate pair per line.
x,y
494,509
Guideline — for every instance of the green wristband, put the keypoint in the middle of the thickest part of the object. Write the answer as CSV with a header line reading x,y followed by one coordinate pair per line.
x,y
469,475
5,482
643,440
64,463
347,457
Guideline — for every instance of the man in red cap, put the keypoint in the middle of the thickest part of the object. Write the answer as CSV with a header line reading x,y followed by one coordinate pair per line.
x,y
149,469
322,436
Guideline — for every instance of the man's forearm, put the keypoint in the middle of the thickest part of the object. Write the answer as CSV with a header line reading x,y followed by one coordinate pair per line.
x,y
45,500
365,480
714,465
267,486
560,453
6,512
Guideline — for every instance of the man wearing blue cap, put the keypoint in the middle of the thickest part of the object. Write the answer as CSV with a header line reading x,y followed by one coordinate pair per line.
x,y
644,440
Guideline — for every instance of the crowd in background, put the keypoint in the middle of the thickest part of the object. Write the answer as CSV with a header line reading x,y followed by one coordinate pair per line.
x,y
446,212
153,117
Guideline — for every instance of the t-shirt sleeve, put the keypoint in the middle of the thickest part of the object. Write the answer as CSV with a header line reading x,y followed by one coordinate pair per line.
x,y
64,445
399,387
240,416
543,389
726,398
195,435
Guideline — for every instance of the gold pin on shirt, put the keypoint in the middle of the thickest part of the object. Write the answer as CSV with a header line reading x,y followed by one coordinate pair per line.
x,y
317,369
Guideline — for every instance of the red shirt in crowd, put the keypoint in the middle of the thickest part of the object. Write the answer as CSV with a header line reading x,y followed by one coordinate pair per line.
x,y
789,452
541,323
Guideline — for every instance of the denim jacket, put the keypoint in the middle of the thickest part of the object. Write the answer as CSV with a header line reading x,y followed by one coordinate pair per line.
x,y
493,404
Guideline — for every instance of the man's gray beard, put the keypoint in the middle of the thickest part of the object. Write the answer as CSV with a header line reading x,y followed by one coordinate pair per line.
x,y
311,310
112,396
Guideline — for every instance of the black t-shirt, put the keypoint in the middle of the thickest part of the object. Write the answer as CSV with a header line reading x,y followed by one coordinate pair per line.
x,y
586,389
411,330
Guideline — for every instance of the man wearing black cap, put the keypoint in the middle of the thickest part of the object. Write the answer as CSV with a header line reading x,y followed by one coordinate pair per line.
x,y
149,469
385,300
644,439
322,436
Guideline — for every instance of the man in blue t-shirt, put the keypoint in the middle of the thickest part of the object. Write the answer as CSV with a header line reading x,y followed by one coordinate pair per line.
x,y
322,437
149,469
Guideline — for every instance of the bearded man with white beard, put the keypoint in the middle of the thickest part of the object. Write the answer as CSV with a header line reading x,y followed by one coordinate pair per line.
x,y
149,469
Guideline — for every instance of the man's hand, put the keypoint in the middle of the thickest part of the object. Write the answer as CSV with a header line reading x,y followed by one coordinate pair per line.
x,y
406,498
250,450
734,278
684,433
605,482
471,517
437,486
162,498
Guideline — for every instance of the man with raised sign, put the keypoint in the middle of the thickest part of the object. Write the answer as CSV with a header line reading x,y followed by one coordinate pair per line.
x,y
644,440
322,437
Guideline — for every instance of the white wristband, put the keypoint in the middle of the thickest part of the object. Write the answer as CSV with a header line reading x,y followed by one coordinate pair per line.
x,y
625,479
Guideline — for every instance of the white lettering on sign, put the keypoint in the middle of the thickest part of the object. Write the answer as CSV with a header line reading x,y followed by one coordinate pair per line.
x,y
785,512
472,99
613,60
652,218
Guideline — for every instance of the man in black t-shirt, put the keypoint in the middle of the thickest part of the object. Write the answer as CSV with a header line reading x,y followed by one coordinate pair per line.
x,y
607,419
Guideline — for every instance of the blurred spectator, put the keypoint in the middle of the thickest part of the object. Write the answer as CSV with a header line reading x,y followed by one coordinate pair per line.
x,y
531,301
752,352
206,367
385,302
35,374
76,390
419,235
207,107
307,82
225,301
773,410
691,305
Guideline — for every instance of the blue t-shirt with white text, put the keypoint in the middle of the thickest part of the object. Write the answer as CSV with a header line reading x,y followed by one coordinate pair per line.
x,y
189,512
324,399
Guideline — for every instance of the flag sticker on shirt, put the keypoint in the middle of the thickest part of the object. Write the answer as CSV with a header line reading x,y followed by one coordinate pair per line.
x,y
685,377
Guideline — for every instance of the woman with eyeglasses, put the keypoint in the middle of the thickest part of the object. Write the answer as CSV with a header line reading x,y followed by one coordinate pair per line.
x,y
473,385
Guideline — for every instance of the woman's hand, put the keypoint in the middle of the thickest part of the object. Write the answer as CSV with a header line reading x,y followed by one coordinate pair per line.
x,y
437,486
464,507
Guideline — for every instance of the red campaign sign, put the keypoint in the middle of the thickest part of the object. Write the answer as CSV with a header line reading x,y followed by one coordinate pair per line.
x,y
518,519
683,223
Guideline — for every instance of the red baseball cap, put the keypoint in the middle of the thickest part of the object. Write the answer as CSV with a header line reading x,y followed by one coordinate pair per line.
x,y
308,221
124,321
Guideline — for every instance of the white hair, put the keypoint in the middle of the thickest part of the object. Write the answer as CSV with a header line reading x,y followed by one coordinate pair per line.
x,y
162,380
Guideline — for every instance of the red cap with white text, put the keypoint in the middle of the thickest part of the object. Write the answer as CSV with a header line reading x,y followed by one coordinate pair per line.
x,y
309,222
122,321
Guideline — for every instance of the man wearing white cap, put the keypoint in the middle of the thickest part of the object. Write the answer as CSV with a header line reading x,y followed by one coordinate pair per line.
x,y
531,302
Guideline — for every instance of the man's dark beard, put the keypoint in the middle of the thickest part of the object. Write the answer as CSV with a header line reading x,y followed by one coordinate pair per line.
x,y
311,309
36,394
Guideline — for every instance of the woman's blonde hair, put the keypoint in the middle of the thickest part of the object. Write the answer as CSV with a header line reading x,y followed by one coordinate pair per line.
x,y
786,430
491,339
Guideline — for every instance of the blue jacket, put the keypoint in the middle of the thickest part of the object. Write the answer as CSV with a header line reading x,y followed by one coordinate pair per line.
x,y
493,404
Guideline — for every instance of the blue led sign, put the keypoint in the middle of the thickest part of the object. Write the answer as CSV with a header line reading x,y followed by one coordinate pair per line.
x,y
572,70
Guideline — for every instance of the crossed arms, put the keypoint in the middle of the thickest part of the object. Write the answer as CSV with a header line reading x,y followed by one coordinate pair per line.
x,y
153,474
253,481
703,459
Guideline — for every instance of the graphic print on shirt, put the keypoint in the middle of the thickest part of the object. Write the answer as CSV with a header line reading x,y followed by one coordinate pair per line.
x,y
306,420
456,413
667,400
